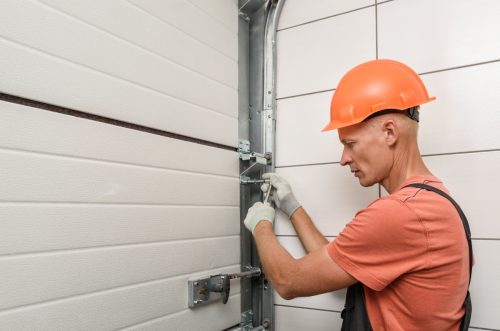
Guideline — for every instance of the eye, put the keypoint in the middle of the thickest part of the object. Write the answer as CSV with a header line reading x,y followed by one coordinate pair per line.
x,y
349,144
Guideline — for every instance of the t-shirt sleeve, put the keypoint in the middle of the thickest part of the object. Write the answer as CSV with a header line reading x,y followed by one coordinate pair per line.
x,y
382,242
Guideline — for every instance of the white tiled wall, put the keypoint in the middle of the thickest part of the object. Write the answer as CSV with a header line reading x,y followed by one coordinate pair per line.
x,y
453,44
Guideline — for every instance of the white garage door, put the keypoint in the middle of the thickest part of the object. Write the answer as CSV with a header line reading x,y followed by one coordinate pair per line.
x,y
118,162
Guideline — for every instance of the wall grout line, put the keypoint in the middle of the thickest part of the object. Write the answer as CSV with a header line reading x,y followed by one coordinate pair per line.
x,y
336,311
305,94
376,29
308,308
423,155
296,236
107,120
335,236
420,74
331,16
307,164
459,67
464,152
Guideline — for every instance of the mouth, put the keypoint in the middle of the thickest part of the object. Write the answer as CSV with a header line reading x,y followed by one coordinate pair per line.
x,y
355,172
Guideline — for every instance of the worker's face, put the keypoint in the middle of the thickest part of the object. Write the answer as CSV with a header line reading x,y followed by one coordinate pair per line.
x,y
366,152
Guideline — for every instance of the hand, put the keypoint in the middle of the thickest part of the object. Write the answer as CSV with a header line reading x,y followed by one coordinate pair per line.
x,y
258,212
282,195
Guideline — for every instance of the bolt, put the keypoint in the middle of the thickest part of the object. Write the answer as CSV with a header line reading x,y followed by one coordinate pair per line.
x,y
266,324
195,284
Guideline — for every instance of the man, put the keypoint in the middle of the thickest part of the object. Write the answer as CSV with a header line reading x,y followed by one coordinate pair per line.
x,y
408,249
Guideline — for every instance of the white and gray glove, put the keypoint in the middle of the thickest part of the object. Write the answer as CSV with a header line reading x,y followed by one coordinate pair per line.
x,y
282,194
258,212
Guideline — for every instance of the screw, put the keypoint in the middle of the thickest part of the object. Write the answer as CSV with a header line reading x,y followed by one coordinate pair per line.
x,y
195,284
266,324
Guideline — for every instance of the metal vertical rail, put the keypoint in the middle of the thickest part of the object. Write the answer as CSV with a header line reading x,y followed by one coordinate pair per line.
x,y
269,124
257,116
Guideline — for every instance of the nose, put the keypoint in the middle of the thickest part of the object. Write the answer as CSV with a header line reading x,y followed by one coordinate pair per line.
x,y
346,158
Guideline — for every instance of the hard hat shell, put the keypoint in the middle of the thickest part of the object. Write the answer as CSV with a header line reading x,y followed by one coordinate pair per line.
x,y
374,86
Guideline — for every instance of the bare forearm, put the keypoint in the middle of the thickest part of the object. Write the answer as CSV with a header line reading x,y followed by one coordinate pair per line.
x,y
309,235
277,262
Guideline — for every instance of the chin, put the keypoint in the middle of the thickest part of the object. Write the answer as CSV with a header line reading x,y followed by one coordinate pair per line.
x,y
367,183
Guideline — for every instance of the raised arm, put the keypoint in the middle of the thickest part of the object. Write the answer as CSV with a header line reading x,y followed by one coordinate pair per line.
x,y
283,197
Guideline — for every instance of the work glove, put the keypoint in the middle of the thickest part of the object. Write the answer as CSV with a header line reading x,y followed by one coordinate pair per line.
x,y
282,194
258,212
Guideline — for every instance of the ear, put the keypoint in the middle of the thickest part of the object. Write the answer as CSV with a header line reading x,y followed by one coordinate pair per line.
x,y
391,132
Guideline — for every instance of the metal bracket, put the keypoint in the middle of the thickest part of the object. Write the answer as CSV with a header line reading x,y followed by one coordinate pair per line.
x,y
246,320
212,288
258,162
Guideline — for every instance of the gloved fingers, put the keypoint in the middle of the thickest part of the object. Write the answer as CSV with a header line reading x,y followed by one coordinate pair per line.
x,y
257,213
255,206
264,187
268,175
274,178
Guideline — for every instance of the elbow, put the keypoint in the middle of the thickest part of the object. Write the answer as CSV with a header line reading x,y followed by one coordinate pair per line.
x,y
286,293
285,288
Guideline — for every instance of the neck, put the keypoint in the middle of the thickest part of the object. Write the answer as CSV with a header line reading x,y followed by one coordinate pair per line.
x,y
407,163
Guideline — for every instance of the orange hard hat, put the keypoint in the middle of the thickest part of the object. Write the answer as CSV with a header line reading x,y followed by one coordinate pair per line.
x,y
372,87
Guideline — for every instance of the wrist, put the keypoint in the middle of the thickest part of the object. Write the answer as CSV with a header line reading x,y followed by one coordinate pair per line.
x,y
262,227
257,223
289,205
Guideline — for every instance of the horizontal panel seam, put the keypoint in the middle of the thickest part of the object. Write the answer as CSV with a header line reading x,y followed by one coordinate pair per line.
x,y
24,204
114,247
107,162
184,32
109,204
110,121
232,297
125,80
133,44
20,253
110,289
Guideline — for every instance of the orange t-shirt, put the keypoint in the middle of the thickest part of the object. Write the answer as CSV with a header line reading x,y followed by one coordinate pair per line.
x,y
410,252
